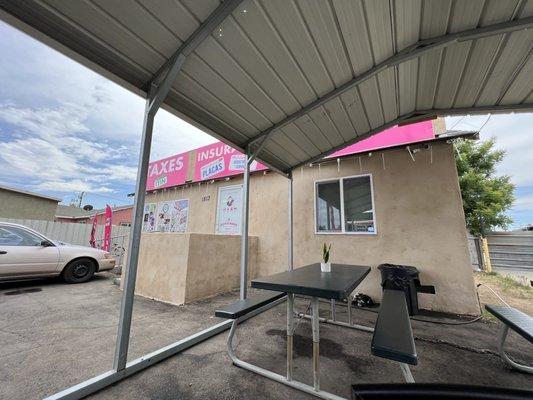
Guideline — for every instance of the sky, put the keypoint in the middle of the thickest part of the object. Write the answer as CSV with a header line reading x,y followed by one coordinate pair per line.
x,y
65,129
514,135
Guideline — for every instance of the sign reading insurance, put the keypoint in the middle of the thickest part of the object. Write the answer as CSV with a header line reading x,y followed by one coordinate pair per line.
x,y
218,160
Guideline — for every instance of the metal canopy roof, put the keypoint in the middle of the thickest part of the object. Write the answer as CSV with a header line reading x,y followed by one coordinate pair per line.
x,y
312,76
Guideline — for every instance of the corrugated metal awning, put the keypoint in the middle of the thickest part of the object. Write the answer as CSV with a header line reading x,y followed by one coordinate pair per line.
x,y
314,75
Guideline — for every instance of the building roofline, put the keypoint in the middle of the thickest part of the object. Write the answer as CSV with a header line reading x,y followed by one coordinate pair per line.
x,y
118,208
99,211
71,217
11,189
443,137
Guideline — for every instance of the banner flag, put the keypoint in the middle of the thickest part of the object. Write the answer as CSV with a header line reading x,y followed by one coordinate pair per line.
x,y
107,228
92,240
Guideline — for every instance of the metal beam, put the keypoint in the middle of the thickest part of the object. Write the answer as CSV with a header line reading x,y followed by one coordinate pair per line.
x,y
193,41
130,274
159,88
419,116
414,51
290,225
244,227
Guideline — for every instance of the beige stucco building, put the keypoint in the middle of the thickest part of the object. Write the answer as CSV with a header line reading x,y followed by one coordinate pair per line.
x,y
416,218
21,204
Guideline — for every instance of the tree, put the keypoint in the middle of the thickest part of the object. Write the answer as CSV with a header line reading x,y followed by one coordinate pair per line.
x,y
486,197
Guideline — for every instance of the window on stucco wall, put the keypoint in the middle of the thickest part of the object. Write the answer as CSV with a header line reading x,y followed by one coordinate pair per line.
x,y
345,205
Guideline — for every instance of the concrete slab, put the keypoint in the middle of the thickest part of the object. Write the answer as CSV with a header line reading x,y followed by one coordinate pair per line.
x,y
62,334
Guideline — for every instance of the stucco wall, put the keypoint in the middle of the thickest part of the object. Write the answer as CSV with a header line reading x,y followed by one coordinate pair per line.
x,y
24,206
162,267
419,221
214,264
180,267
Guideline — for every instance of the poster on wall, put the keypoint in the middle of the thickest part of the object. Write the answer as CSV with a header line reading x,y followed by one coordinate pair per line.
x,y
229,210
149,215
172,215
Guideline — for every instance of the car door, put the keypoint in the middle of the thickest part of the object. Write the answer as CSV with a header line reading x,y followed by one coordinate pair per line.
x,y
22,253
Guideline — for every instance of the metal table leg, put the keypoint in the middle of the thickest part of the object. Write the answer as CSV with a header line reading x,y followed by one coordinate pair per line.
x,y
350,310
316,340
333,317
290,332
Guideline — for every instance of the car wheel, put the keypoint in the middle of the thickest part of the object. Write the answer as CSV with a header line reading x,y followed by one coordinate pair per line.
x,y
79,271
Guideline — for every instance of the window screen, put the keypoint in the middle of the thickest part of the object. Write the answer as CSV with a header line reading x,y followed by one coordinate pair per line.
x,y
345,205
358,209
328,207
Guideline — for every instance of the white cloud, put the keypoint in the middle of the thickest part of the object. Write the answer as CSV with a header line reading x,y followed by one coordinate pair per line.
x,y
119,172
71,129
513,133
38,159
75,185
46,122
524,203
173,135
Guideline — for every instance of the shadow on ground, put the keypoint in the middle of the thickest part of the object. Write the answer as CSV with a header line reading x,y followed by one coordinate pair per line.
x,y
62,334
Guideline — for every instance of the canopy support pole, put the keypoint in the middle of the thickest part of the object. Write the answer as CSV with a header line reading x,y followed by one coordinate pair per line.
x,y
130,274
290,225
244,232
159,88
250,157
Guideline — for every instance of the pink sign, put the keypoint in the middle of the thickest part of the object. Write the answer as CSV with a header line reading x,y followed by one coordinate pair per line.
x,y
391,137
92,239
107,228
168,172
218,160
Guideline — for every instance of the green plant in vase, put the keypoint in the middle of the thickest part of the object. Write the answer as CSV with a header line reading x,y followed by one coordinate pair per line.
x,y
325,265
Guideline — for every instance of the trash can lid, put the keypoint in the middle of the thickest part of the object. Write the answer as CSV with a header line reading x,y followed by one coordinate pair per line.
x,y
397,267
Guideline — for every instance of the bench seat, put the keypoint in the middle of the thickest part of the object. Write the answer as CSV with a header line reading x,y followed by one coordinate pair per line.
x,y
243,307
518,321
435,391
393,336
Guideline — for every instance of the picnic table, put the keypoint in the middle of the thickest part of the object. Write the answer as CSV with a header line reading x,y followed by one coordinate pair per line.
x,y
311,281
392,335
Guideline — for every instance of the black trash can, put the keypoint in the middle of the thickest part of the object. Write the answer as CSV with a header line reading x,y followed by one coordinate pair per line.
x,y
405,278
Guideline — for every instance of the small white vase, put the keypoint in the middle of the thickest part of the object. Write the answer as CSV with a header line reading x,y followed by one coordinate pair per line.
x,y
325,267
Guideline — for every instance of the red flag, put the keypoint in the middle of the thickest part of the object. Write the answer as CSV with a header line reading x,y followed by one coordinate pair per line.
x,y
92,240
107,228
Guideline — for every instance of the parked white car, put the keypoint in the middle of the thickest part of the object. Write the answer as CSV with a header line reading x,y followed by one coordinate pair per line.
x,y
25,253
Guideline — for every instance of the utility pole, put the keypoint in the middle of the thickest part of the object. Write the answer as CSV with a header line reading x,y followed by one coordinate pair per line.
x,y
80,199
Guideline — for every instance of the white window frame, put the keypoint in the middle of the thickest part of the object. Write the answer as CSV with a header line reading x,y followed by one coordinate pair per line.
x,y
341,187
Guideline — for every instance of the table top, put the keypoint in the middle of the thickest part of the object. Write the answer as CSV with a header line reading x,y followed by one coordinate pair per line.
x,y
311,281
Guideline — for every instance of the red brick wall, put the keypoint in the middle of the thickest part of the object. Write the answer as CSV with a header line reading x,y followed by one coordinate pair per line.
x,y
119,217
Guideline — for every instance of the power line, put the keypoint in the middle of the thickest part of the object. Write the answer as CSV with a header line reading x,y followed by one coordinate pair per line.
x,y
458,121
485,123
105,196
